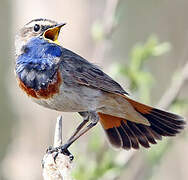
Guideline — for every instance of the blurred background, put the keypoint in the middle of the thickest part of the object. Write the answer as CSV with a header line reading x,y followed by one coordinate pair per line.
x,y
141,44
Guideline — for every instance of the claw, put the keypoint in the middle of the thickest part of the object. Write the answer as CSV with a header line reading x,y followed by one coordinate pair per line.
x,y
51,150
55,156
66,152
71,157
62,149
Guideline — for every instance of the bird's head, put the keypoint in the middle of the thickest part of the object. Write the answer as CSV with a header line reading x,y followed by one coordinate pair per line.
x,y
44,28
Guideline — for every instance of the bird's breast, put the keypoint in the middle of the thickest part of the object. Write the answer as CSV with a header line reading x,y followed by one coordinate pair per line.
x,y
46,92
37,68
74,98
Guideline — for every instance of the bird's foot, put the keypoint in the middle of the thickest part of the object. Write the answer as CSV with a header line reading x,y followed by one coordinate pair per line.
x,y
61,149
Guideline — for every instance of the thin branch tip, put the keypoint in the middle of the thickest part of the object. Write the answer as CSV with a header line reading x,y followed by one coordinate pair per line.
x,y
58,132
56,165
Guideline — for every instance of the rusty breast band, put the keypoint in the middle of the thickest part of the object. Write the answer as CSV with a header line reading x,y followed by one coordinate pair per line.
x,y
51,89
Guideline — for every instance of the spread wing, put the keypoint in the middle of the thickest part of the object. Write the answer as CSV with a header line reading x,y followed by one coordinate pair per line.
x,y
76,69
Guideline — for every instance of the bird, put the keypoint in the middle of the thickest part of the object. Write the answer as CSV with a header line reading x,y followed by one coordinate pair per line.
x,y
59,79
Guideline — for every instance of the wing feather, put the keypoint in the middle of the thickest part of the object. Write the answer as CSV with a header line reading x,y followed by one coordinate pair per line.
x,y
80,71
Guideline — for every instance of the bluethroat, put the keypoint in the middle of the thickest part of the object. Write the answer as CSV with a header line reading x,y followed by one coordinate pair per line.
x,y
59,79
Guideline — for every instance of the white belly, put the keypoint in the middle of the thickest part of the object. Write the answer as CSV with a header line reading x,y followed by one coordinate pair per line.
x,y
73,100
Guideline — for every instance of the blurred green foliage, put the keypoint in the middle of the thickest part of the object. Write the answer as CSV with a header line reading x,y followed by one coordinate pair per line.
x,y
97,31
102,160
140,79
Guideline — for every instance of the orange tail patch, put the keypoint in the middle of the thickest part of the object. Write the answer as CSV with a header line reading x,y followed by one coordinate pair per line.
x,y
139,106
111,124
125,134
109,121
122,135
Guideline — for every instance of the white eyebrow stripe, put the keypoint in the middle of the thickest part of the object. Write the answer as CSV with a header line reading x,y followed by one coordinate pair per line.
x,y
44,23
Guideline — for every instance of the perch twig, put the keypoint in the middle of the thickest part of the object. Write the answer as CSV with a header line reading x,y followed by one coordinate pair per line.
x,y
56,165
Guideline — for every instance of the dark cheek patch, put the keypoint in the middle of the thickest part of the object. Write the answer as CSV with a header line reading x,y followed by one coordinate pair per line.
x,y
51,89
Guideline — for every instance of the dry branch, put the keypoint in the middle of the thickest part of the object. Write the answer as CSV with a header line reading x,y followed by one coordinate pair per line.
x,y
175,87
57,166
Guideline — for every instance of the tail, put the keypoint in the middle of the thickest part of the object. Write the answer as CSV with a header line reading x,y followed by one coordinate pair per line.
x,y
125,134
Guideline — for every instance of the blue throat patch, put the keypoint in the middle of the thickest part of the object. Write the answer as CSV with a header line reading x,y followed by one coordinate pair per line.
x,y
38,64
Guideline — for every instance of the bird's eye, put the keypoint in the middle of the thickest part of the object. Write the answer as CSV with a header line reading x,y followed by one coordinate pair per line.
x,y
36,28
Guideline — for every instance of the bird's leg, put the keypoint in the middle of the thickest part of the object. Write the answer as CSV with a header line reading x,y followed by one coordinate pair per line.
x,y
94,120
85,116
69,142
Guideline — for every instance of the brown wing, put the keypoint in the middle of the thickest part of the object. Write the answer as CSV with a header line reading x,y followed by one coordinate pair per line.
x,y
75,69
